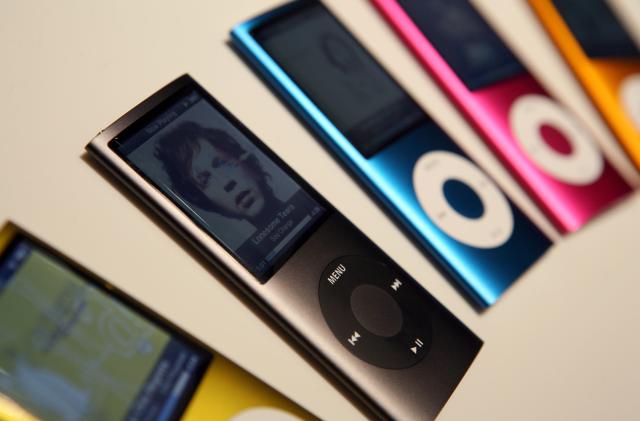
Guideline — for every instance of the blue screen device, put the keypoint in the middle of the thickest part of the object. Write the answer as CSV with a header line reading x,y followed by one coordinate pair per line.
x,y
450,206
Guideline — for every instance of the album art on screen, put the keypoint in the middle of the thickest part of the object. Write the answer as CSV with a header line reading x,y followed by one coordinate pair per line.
x,y
223,181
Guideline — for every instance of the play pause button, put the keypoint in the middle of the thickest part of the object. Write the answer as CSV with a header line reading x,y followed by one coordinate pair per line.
x,y
353,340
418,344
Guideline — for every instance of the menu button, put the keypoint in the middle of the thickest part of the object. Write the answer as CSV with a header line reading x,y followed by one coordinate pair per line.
x,y
336,274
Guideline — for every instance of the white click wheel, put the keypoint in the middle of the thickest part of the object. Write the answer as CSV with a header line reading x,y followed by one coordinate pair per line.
x,y
630,98
264,414
555,140
493,224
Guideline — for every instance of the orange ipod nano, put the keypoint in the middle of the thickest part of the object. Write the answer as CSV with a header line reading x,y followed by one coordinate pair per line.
x,y
604,59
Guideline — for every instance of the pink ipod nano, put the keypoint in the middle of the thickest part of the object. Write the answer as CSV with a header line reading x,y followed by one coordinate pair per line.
x,y
549,151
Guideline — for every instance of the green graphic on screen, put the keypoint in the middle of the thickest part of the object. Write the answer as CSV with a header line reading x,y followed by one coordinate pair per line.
x,y
68,350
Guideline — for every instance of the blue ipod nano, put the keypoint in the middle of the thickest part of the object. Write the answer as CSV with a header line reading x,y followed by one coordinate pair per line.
x,y
449,205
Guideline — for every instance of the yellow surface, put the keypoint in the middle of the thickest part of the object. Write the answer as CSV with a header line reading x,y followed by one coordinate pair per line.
x,y
11,411
226,390
7,232
600,78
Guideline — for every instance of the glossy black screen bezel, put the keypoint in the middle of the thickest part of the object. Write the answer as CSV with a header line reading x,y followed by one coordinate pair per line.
x,y
162,100
478,81
627,50
122,298
299,6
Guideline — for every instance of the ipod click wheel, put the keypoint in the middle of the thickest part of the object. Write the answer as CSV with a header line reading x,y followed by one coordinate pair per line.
x,y
374,313
462,200
555,140
575,179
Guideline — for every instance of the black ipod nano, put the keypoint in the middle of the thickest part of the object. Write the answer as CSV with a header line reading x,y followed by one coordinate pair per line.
x,y
365,319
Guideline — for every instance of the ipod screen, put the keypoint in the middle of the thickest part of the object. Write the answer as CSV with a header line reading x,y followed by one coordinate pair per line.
x,y
340,76
596,28
201,161
71,351
465,40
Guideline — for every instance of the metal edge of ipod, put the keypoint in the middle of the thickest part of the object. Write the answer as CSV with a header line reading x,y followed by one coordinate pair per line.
x,y
612,84
413,372
571,188
484,272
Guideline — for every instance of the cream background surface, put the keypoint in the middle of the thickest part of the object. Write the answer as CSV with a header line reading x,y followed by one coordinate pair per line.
x,y
561,344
